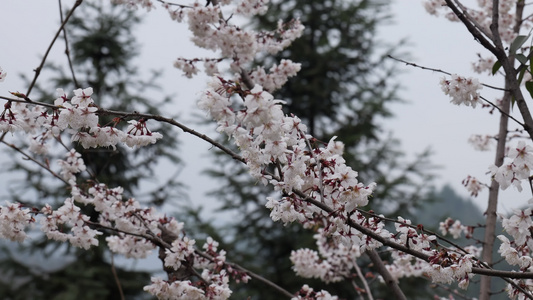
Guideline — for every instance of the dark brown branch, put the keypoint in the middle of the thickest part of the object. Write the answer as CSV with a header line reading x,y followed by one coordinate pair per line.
x,y
382,270
28,100
503,112
402,248
304,197
173,122
476,33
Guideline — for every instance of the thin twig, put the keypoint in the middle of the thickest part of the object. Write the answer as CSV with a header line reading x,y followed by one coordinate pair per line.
x,y
26,100
251,274
67,50
439,71
157,240
114,271
483,84
357,289
173,122
502,112
363,280
318,164
28,157
40,67
174,4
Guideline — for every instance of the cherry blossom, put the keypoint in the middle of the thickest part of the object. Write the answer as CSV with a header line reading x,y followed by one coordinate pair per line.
x,y
481,142
13,221
484,65
462,90
473,185
307,293
455,228
313,185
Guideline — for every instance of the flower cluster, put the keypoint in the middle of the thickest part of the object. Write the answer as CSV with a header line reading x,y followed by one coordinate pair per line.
x,y
444,266
433,6
481,142
484,65
71,166
214,277
277,75
68,216
131,222
473,185
211,31
517,251
188,66
307,293
462,90
76,116
13,220
305,174
137,230
264,136
251,7
267,138
334,263
455,228
518,169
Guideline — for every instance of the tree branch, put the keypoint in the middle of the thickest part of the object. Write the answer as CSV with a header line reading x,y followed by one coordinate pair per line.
x,y
382,270
40,67
67,50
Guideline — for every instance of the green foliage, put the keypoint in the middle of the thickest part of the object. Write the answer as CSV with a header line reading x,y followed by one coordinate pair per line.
x,y
529,87
497,65
517,43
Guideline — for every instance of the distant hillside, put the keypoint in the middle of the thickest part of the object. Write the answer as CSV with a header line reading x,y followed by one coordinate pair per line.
x,y
448,204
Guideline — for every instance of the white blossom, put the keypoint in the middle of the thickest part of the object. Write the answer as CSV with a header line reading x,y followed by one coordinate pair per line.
x,y
462,90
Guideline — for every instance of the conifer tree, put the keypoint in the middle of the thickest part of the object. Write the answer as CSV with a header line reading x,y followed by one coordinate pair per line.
x,y
102,47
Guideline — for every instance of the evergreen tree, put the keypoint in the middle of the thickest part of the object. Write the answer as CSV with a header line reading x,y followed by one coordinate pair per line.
x,y
102,48
343,89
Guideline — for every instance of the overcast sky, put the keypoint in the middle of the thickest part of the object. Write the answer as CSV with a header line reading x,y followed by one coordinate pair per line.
x,y
426,120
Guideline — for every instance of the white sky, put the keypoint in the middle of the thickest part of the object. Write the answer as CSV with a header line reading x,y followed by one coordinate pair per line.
x,y
427,120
